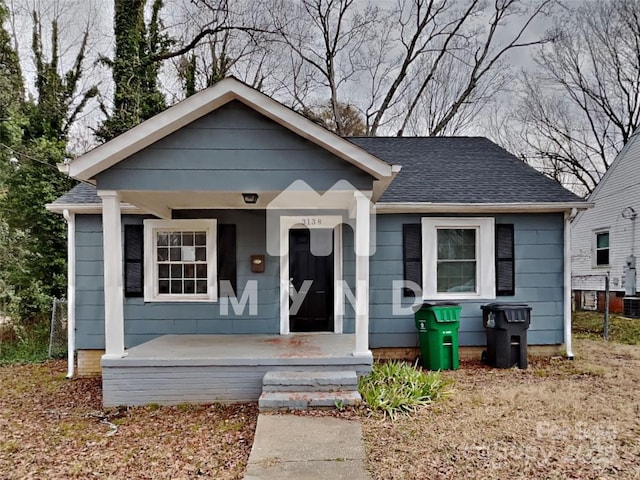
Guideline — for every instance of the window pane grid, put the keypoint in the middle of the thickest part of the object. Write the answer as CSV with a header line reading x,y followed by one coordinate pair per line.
x,y
182,263
456,260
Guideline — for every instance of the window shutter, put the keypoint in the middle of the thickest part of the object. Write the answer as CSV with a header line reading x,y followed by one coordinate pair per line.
x,y
505,262
227,264
133,260
412,255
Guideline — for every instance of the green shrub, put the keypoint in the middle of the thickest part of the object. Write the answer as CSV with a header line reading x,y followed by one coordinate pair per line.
x,y
398,388
24,344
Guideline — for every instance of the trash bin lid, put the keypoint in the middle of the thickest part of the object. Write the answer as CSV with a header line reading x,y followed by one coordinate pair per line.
x,y
505,306
427,305
440,304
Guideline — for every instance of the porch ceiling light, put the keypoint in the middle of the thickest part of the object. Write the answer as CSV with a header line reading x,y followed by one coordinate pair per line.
x,y
250,198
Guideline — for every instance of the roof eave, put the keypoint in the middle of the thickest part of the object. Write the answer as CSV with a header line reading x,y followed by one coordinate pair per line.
x,y
523,207
90,208
206,101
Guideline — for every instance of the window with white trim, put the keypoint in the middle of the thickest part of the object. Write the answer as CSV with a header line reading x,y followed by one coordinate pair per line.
x,y
458,258
601,248
180,260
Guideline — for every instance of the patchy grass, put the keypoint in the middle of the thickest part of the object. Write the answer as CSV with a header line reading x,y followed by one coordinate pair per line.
x,y
397,388
557,419
621,329
56,428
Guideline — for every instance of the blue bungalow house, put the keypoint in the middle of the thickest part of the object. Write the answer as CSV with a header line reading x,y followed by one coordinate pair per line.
x,y
229,236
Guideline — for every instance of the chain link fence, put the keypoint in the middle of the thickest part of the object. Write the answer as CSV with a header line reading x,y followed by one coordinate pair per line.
x,y
59,322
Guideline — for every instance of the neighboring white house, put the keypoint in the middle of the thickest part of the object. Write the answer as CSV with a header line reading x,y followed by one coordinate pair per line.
x,y
603,238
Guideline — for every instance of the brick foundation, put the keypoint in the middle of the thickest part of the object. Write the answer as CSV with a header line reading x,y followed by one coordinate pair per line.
x,y
410,354
89,363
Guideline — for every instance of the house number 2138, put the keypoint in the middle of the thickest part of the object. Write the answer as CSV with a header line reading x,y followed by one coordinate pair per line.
x,y
311,221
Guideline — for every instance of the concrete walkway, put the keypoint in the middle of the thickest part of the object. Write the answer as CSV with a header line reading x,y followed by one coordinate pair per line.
x,y
292,447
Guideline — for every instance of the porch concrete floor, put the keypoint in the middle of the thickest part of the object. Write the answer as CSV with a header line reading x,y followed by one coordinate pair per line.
x,y
174,369
228,348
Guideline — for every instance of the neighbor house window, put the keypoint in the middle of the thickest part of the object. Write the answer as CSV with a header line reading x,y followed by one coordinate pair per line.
x,y
602,248
180,260
458,258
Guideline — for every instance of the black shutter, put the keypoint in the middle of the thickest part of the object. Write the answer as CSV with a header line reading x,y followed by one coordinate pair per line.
x,y
412,255
505,262
133,260
227,264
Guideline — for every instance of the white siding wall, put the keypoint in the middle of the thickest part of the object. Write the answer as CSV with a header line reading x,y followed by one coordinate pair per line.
x,y
619,189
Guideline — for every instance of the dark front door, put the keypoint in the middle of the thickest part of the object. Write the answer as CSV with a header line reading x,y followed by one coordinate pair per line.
x,y
315,313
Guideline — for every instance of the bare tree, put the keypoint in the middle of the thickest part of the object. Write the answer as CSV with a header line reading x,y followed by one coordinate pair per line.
x,y
454,59
417,66
216,39
327,39
582,103
352,124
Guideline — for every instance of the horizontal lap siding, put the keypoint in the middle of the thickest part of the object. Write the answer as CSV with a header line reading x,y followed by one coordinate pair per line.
x,y
231,149
618,190
145,321
196,384
539,282
89,283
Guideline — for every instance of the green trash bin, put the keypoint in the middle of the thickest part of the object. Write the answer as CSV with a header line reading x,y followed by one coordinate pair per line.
x,y
437,325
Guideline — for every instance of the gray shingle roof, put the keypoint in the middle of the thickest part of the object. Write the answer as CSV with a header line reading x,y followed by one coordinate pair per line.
x,y
81,193
460,170
438,170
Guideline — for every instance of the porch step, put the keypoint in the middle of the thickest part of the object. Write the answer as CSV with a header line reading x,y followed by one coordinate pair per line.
x,y
300,390
270,401
309,381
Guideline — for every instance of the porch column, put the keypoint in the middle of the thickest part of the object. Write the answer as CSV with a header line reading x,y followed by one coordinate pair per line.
x,y
112,259
362,275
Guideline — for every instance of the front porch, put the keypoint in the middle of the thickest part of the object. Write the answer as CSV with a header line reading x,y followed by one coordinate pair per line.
x,y
174,369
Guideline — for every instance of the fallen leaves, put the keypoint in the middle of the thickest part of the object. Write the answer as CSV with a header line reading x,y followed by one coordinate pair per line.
x,y
557,419
53,428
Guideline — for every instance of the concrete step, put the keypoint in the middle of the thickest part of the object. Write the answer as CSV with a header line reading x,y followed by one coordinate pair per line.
x,y
270,401
309,381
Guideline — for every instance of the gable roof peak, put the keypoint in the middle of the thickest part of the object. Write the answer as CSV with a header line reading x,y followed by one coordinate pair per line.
x,y
207,101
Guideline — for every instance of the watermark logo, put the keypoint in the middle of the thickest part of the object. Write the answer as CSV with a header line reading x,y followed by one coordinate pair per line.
x,y
300,206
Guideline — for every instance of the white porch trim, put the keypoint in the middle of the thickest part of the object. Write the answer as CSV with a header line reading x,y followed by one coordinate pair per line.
x,y
327,221
71,290
362,249
113,284
477,208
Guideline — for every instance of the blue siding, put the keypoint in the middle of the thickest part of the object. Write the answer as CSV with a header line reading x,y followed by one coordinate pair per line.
x,y
255,154
539,282
144,321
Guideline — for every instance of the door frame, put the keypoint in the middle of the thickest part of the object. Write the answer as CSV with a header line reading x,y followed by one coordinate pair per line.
x,y
311,221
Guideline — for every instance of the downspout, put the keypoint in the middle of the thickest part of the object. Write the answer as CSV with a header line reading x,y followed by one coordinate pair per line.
x,y
568,216
71,289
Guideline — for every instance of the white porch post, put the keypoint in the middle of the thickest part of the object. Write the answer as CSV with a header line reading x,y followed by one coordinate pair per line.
x,y
362,274
113,289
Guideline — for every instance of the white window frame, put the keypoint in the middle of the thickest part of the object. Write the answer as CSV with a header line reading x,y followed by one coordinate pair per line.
x,y
485,257
594,248
151,293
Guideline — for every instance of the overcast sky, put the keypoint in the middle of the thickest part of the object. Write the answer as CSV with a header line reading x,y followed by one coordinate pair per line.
x,y
75,15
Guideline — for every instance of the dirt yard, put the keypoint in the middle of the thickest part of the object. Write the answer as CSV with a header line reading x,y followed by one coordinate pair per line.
x,y
559,419
52,428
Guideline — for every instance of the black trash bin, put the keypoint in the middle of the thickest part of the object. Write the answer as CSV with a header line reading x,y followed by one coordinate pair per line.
x,y
506,325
